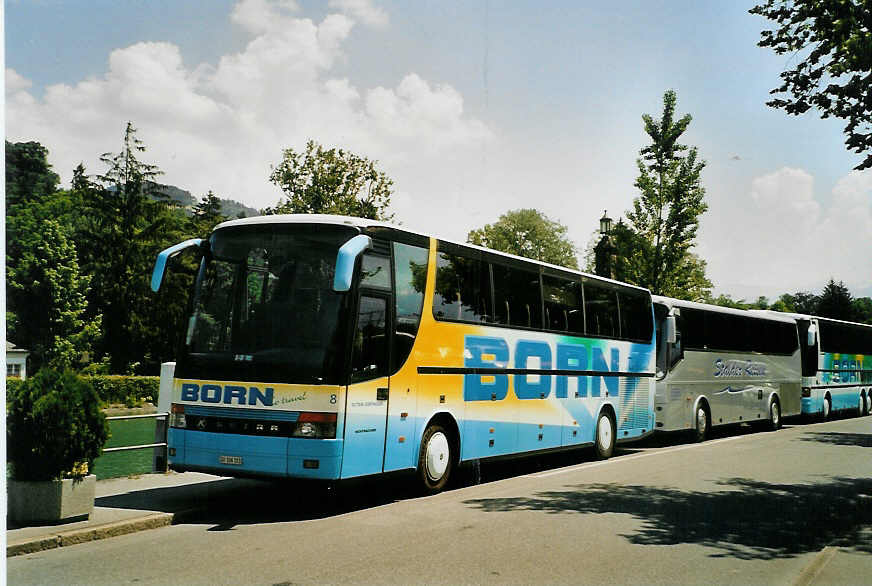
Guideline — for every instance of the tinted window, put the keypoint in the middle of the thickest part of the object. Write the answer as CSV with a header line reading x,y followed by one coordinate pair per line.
x,y
564,309
462,289
376,271
517,297
845,338
410,276
635,315
601,310
369,356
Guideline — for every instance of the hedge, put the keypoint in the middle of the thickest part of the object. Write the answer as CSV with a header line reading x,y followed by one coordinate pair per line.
x,y
114,389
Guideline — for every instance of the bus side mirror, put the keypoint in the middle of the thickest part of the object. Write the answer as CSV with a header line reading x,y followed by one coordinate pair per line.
x,y
812,336
670,330
160,265
346,259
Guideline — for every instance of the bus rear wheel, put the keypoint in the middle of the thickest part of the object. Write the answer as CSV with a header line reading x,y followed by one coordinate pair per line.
x,y
436,460
828,407
774,415
605,436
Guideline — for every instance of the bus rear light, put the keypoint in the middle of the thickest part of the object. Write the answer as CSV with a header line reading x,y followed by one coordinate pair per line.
x,y
806,392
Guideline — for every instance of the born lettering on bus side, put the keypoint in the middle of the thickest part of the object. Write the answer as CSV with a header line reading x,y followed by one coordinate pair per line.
x,y
494,354
227,394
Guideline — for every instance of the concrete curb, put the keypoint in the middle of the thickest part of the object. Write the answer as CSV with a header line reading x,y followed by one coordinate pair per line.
x,y
85,534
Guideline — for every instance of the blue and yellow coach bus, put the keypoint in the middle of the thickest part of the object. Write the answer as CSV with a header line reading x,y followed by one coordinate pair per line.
x,y
332,347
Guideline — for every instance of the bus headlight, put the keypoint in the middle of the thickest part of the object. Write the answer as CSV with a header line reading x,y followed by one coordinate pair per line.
x,y
315,425
177,416
806,392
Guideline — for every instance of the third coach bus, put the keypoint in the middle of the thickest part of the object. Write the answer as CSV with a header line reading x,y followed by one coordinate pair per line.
x,y
718,366
837,366
331,347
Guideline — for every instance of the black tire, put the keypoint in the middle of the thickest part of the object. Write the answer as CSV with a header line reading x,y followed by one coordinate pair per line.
x,y
774,415
861,405
436,460
701,423
604,441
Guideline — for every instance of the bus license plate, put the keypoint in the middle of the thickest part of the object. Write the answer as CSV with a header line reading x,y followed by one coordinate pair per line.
x,y
230,460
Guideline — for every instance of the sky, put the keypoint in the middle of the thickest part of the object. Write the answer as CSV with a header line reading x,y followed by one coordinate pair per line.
x,y
472,108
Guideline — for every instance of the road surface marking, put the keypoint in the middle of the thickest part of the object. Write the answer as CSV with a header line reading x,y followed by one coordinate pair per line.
x,y
811,571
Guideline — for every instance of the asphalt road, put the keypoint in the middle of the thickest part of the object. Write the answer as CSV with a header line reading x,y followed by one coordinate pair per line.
x,y
790,507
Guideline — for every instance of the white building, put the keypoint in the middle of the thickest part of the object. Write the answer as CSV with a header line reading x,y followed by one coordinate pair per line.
x,y
16,361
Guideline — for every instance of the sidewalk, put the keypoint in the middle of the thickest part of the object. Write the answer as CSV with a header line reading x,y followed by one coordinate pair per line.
x,y
126,505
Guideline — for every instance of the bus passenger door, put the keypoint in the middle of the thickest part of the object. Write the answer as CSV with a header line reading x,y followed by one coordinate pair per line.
x,y
369,390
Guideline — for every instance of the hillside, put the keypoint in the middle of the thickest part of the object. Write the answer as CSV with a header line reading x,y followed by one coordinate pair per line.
x,y
229,207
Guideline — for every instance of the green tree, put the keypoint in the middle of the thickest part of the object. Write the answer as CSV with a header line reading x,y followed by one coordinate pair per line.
x,y
29,176
830,43
863,310
528,233
665,216
334,181
207,214
126,220
47,294
836,302
803,302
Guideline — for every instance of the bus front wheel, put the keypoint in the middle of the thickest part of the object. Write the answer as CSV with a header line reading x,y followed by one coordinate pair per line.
x,y
605,436
436,460
827,408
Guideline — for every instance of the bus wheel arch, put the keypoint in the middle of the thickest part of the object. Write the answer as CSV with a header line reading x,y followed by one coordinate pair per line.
x,y
606,432
702,420
439,453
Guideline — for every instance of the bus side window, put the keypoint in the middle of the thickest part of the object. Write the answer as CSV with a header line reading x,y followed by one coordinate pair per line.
x,y
370,353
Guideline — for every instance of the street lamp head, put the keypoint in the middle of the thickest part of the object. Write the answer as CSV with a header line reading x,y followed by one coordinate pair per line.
x,y
605,224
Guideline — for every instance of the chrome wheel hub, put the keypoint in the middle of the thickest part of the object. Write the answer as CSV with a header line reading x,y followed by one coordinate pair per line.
x,y
604,433
437,456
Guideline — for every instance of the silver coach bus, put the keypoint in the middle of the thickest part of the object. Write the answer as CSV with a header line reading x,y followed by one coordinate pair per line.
x,y
720,366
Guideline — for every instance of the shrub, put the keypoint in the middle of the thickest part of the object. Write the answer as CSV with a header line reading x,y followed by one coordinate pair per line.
x,y
54,426
130,390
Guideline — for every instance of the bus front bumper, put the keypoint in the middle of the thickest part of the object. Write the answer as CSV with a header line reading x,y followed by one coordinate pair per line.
x,y
245,455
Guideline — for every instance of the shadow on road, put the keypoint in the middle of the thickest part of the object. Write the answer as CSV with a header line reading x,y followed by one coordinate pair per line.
x,y
863,440
749,520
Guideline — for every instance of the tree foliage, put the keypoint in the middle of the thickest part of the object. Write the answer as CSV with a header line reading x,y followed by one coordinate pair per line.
x,y
830,41
334,181
836,302
528,233
47,293
126,221
654,249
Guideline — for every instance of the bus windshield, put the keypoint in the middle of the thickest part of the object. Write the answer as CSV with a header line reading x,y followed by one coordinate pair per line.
x,y
264,307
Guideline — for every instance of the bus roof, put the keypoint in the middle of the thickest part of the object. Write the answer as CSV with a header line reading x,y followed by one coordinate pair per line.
x,y
768,315
365,224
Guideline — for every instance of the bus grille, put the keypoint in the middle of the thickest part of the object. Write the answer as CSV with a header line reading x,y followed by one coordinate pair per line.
x,y
633,402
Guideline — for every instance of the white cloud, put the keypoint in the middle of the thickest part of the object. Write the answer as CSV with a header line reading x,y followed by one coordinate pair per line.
x,y
220,126
362,10
781,236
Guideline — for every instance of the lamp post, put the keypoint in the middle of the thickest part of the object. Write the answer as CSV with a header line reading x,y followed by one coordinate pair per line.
x,y
604,251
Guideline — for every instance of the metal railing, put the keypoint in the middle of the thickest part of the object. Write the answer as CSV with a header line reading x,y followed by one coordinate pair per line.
x,y
160,436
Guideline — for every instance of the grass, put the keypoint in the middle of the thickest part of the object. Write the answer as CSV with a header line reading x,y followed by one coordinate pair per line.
x,y
127,432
